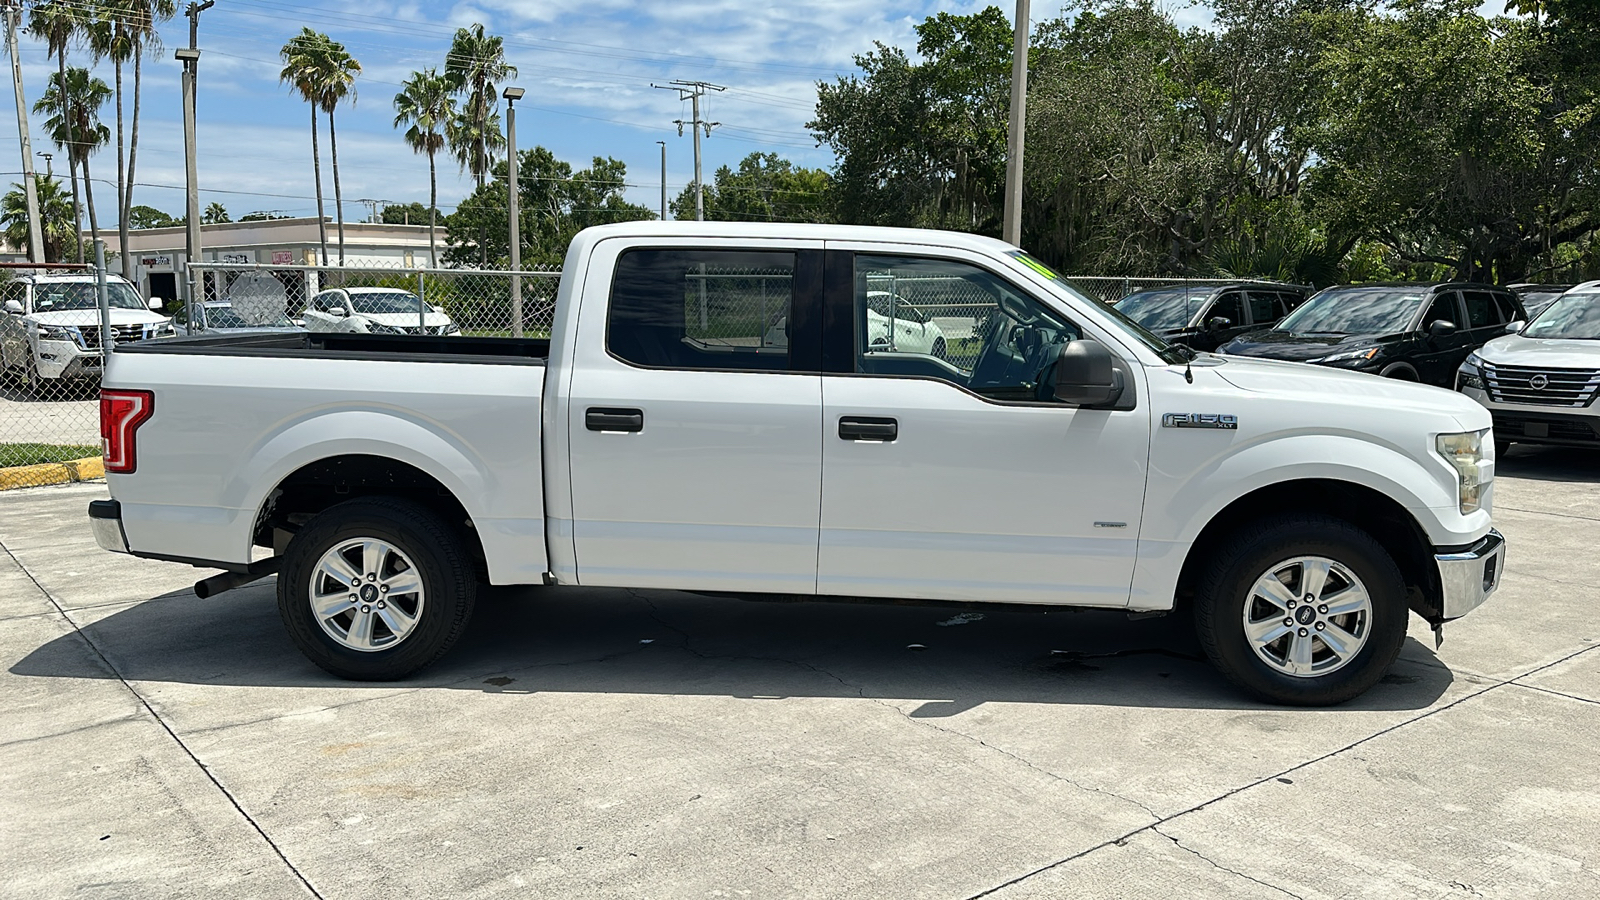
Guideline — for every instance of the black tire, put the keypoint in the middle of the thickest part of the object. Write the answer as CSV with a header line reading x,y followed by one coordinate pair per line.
x,y
1400,373
940,351
1256,550
442,563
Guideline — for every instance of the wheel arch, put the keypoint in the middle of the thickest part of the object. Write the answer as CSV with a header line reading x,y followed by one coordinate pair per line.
x,y
1367,508
1402,370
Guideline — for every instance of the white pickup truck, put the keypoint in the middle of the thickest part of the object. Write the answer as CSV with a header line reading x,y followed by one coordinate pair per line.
x,y
666,436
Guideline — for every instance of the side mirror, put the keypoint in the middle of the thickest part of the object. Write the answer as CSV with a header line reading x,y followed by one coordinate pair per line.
x,y
1218,323
338,311
156,303
1086,376
1515,327
14,307
1440,328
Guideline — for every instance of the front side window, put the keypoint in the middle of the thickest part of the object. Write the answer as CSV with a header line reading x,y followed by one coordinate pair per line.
x,y
702,309
1229,306
1443,309
971,327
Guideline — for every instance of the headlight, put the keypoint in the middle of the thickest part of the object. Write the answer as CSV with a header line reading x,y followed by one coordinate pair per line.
x,y
1474,360
56,333
1464,452
1351,356
451,329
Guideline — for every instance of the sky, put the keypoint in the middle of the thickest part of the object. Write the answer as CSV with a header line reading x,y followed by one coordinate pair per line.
x,y
587,66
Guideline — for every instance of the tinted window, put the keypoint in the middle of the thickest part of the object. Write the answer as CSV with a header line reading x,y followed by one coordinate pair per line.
x,y
1481,309
702,309
981,332
1356,311
1444,309
385,302
1229,306
1163,309
1508,308
1264,308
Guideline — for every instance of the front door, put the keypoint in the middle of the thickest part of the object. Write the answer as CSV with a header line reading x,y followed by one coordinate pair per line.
x,y
695,419
961,478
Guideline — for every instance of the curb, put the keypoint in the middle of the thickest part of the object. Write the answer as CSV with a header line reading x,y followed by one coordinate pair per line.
x,y
52,473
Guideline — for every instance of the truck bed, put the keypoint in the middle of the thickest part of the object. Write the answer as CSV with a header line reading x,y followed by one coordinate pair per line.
x,y
394,347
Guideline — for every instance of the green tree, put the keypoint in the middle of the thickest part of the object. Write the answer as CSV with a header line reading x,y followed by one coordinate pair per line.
x,y
149,217
215,214
474,67
408,214
58,23
338,75
302,71
266,215
765,188
426,103
55,214
122,30
73,124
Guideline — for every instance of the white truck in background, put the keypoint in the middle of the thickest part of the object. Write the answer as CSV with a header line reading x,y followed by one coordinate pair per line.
x,y
663,438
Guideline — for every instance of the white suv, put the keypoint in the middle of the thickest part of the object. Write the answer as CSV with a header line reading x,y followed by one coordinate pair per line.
x,y
50,328
1540,381
369,310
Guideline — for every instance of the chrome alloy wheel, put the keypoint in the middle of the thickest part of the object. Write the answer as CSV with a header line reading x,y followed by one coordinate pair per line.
x,y
1308,616
366,594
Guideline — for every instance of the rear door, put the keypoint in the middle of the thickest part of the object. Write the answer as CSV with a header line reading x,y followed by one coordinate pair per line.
x,y
961,478
695,417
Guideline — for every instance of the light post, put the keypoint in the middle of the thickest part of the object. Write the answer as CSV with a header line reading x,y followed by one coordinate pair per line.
x,y
49,170
663,180
513,188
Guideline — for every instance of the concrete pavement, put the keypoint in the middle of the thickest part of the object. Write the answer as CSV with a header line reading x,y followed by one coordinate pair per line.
x,y
601,743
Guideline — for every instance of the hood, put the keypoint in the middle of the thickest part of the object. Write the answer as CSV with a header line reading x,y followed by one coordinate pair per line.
x,y
1358,390
91,318
1552,353
405,320
1299,347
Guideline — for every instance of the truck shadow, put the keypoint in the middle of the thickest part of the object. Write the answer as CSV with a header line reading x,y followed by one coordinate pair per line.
x,y
532,640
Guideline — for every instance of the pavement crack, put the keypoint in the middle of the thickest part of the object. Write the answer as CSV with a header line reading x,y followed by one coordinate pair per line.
x,y
1545,690
1222,868
165,726
1536,512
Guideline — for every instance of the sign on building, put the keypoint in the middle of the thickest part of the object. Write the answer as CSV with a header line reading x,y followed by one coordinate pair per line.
x,y
283,257
150,262
237,258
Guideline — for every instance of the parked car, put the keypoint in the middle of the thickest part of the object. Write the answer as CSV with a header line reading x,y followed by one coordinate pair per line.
x,y
1540,381
1207,316
219,317
1535,297
893,326
50,329
650,442
370,310
1413,332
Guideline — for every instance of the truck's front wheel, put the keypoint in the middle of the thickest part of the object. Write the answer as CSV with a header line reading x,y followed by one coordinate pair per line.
x,y
375,589
1306,610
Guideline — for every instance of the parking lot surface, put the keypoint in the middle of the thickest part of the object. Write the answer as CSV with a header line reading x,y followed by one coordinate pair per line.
x,y
607,743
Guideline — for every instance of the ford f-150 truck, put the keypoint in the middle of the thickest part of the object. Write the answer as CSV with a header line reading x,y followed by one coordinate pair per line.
x,y
709,414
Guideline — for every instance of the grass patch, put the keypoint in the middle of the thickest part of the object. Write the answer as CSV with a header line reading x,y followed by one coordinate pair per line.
x,y
33,454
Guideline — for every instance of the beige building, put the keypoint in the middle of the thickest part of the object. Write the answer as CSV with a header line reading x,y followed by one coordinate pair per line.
x,y
158,253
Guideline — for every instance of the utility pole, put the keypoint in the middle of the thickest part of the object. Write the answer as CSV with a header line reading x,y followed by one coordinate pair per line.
x,y
513,188
1012,230
13,12
190,56
693,91
663,180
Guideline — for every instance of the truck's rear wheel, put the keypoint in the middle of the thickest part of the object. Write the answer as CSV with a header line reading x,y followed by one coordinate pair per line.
x,y
375,589
1302,609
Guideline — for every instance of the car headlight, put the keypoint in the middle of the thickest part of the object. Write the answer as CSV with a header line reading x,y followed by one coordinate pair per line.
x,y
451,329
1351,355
1474,360
56,333
1464,452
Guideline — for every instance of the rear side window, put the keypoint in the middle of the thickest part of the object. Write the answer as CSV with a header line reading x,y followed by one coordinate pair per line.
x,y
1481,309
1263,311
1508,308
703,309
1289,302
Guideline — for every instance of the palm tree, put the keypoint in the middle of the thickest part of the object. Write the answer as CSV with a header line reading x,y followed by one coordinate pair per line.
x,y
74,125
216,214
302,66
57,24
338,77
425,102
474,66
55,217
121,31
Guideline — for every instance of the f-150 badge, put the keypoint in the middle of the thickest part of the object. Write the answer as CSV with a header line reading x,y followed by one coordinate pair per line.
x,y
1200,420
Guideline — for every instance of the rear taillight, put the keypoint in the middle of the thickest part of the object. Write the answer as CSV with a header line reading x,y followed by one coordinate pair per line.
x,y
121,414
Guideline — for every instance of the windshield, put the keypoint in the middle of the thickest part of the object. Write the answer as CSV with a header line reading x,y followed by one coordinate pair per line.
x,y
1166,351
385,302
225,317
1355,311
1163,309
1573,317
60,296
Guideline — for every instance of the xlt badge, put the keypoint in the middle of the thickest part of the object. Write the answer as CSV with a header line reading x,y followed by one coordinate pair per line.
x,y
1200,420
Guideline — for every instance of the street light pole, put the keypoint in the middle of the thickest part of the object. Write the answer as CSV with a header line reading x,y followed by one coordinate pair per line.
x,y
190,56
513,188
29,187
663,180
1011,231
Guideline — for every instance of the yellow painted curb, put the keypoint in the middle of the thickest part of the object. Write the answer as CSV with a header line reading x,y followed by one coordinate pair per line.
x,y
52,473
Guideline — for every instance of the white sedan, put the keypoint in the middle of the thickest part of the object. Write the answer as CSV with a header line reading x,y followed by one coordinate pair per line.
x,y
893,325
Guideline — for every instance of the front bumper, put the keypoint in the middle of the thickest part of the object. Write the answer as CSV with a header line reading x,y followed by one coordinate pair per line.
x,y
1467,576
105,521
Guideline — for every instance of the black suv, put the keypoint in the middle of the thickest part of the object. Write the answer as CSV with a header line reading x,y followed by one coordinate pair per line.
x,y
1205,316
1418,332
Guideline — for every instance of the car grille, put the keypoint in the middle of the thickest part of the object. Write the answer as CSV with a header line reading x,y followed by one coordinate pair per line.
x,y
1562,429
1545,387
122,334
